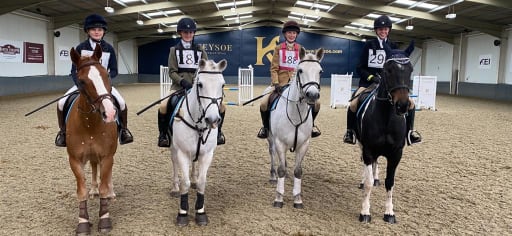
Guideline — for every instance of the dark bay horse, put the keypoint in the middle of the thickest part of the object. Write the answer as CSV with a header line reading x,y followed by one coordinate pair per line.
x,y
91,135
381,128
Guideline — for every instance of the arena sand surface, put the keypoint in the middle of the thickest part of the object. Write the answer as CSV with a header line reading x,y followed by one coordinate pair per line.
x,y
457,182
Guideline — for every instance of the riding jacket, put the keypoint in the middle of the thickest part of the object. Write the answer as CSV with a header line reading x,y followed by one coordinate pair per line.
x,y
284,61
108,57
372,60
183,63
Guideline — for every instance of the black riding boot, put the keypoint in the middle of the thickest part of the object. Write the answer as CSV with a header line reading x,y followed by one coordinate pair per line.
x,y
220,136
263,133
350,136
412,135
125,136
163,127
60,140
316,131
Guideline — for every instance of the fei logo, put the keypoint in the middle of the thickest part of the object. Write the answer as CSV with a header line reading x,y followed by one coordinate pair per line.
x,y
265,51
485,61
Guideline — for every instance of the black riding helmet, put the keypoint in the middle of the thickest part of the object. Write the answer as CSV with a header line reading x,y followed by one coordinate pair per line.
x,y
382,21
186,24
95,21
291,26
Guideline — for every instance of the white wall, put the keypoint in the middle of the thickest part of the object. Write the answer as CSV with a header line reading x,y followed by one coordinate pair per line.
x,y
481,46
438,57
508,66
24,29
27,27
127,57
69,36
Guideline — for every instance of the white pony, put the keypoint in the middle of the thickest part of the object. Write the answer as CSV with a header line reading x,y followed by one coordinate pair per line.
x,y
195,135
291,122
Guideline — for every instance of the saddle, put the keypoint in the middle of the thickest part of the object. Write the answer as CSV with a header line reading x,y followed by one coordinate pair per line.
x,y
274,97
70,100
174,105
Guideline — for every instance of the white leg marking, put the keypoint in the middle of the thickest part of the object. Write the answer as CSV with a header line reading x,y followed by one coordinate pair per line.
x,y
296,186
368,184
389,202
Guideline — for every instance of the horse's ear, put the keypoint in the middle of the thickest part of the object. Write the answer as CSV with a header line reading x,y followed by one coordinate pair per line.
x,y
75,57
410,48
320,54
97,52
222,64
202,64
302,53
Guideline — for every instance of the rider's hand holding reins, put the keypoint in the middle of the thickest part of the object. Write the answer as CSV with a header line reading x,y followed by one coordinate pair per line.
x,y
185,84
375,79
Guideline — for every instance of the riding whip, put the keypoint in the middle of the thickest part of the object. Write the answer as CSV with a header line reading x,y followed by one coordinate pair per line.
x,y
158,101
47,104
256,98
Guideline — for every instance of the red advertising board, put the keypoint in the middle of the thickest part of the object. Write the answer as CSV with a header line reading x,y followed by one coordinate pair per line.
x,y
34,53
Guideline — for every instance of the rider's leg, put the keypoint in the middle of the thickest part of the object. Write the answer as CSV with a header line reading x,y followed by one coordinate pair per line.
x,y
60,140
265,115
220,136
125,136
413,136
350,136
164,140
315,109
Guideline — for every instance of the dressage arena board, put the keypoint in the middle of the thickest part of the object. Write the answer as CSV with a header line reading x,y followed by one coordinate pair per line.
x,y
165,81
450,184
341,90
424,88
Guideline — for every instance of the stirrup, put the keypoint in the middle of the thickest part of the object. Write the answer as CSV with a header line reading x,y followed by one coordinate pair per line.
x,y
221,139
60,140
125,136
349,137
315,132
413,137
263,133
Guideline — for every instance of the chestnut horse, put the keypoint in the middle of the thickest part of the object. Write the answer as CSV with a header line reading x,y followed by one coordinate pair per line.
x,y
91,135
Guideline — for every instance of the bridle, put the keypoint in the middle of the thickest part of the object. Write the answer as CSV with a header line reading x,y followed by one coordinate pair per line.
x,y
306,86
389,97
95,104
213,100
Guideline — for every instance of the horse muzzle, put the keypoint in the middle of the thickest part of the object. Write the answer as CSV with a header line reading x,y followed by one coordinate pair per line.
x,y
108,111
212,121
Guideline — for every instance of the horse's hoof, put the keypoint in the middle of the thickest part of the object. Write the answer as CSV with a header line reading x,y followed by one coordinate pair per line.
x,y
201,219
105,225
175,194
298,205
193,185
278,204
361,186
273,181
365,218
390,219
83,229
182,220
376,183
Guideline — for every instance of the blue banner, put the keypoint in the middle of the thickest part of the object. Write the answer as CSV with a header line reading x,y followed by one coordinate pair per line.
x,y
254,47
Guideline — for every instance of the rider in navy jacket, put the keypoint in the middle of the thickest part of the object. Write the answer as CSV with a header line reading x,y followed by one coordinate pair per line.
x,y
95,26
370,68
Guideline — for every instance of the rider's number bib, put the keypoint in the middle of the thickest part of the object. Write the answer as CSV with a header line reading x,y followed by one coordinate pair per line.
x,y
290,60
376,60
188,59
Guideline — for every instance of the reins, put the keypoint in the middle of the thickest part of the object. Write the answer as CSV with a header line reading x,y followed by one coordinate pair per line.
x,y
201,130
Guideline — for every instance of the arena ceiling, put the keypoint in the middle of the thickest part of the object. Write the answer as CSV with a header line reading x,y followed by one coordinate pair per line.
x,y
351,19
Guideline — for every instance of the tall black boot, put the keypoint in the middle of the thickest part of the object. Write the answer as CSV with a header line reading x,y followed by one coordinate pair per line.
x,y
125,136
163,127
220,136
316,131
350,136
60,140
263,133
412,135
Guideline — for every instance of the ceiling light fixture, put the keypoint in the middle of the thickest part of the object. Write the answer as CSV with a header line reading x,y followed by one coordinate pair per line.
x,y
159,30
109,9
409,25
451,13
139,21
